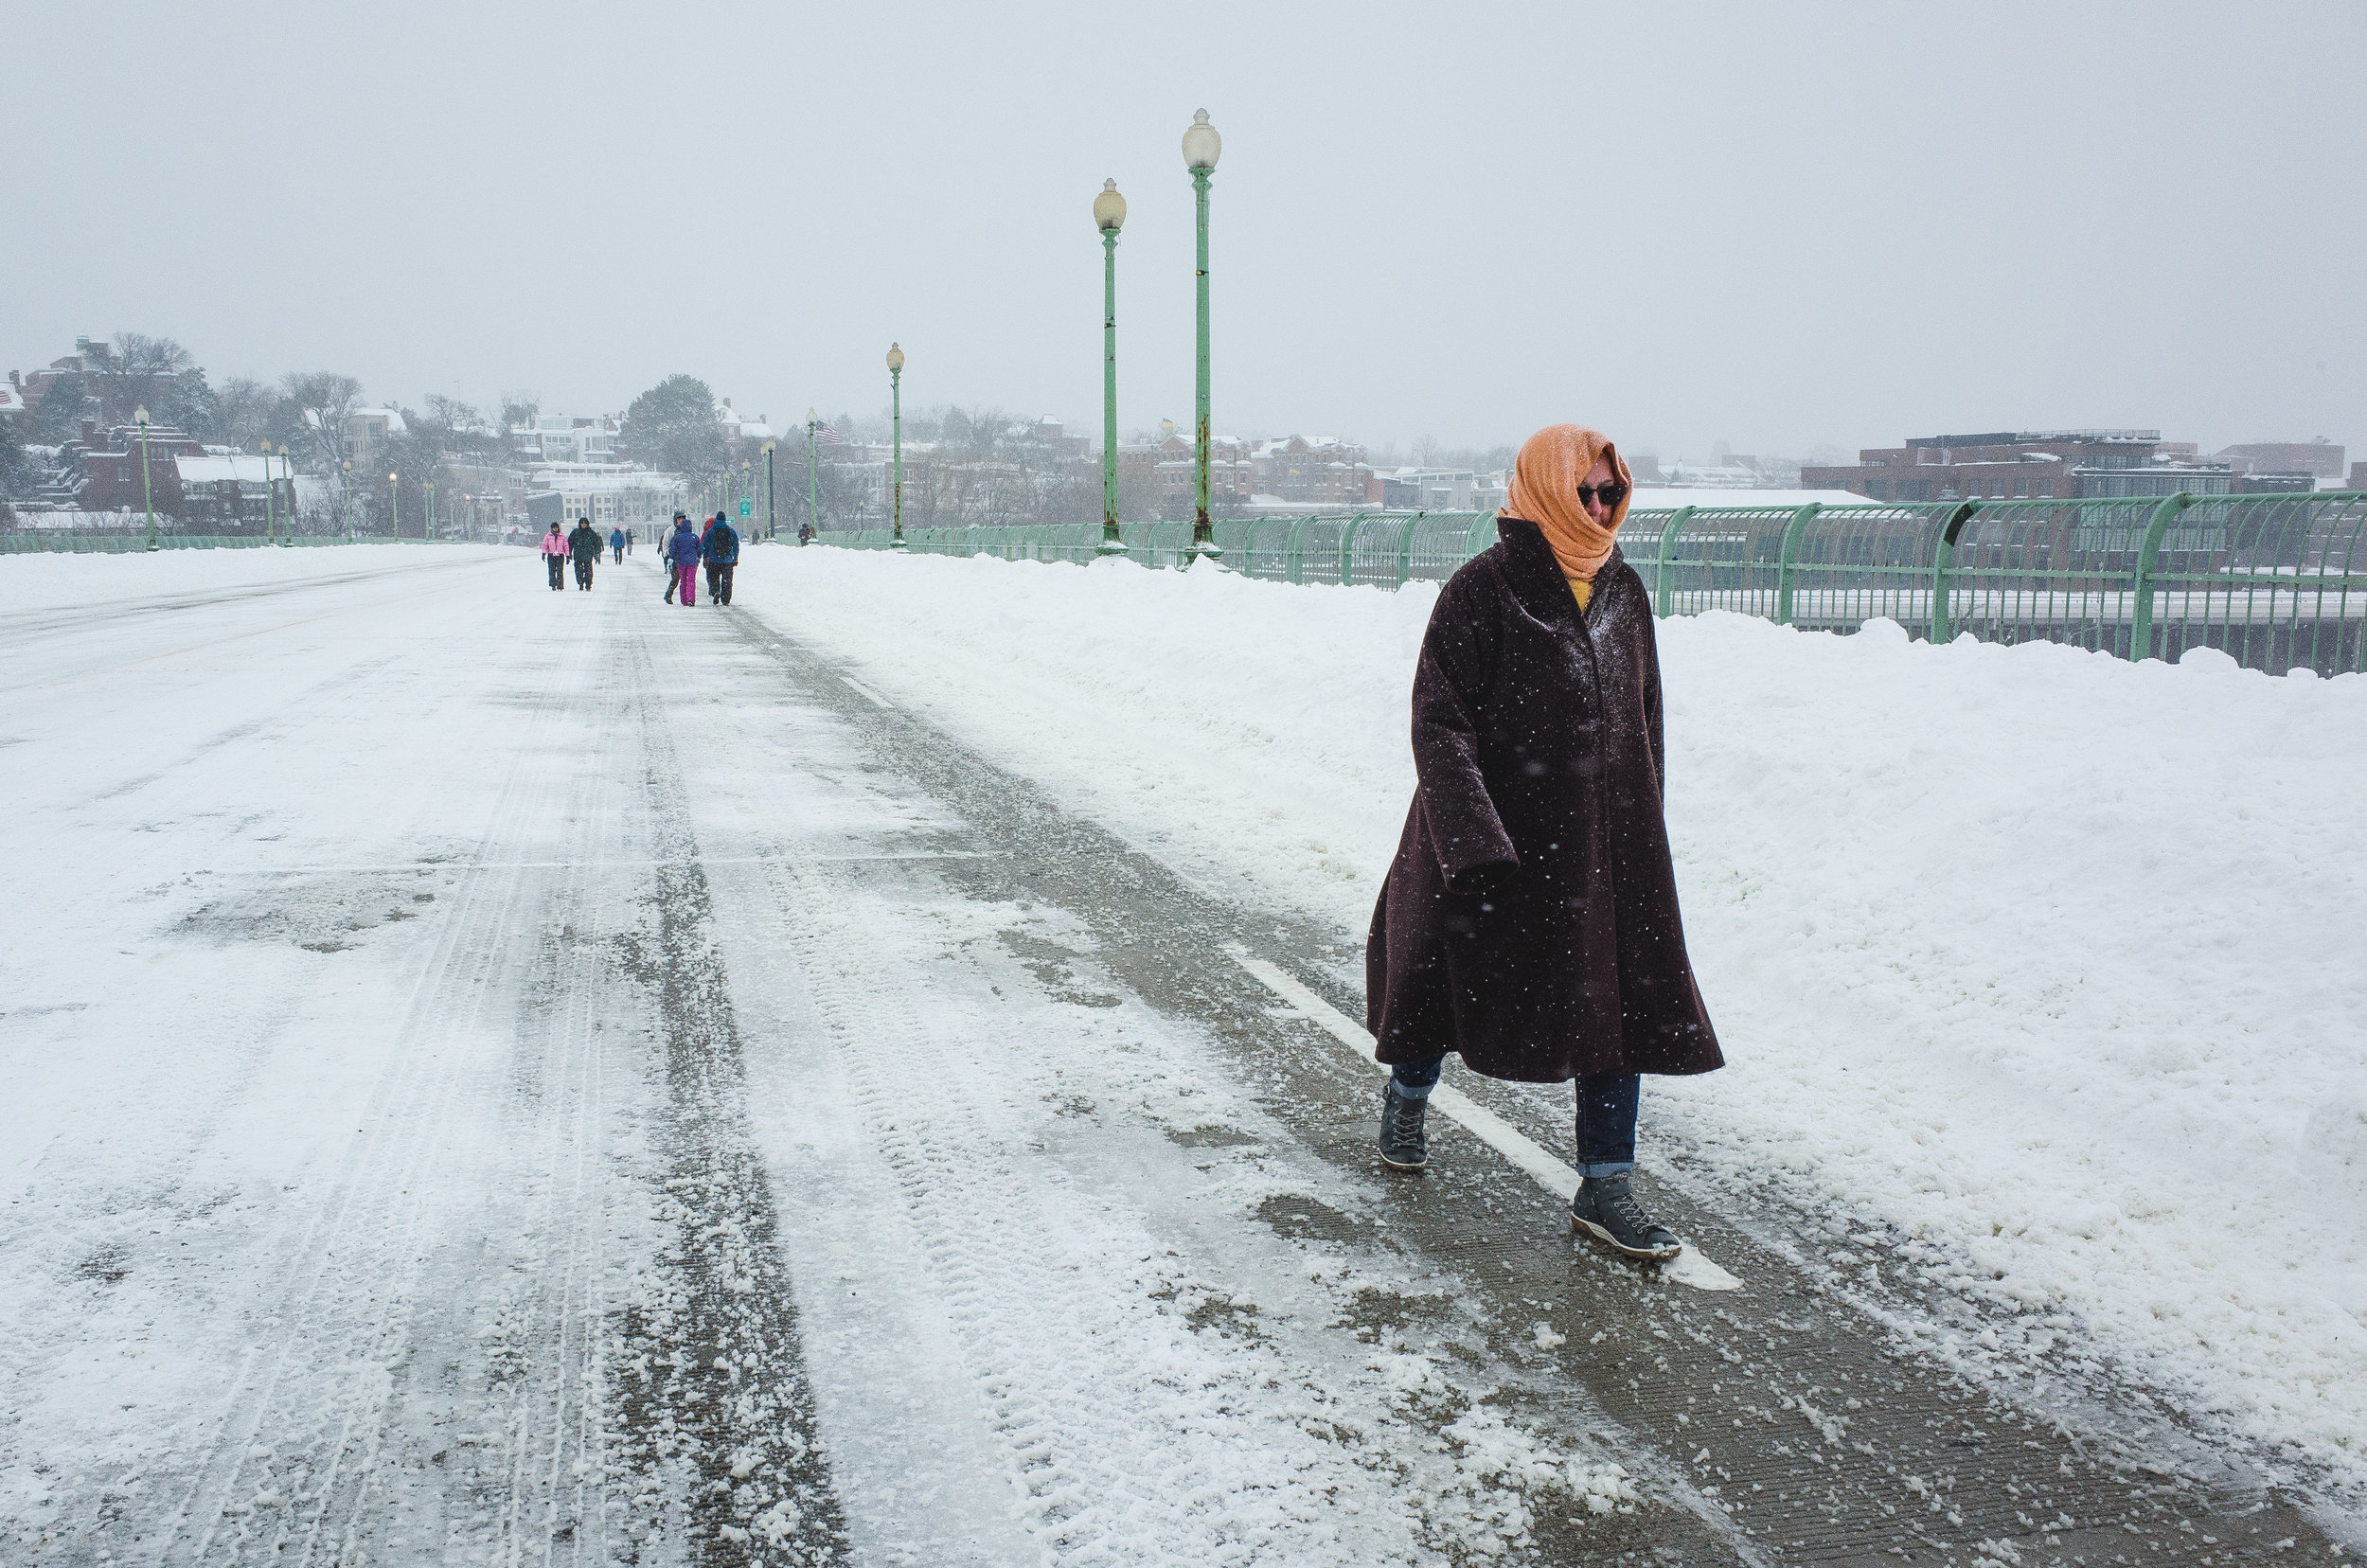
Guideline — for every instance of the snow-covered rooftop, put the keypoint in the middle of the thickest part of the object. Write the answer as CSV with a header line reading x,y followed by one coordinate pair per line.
x,y
220,470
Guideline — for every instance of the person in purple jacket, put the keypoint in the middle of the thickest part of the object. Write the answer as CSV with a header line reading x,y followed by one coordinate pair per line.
x,y
681,561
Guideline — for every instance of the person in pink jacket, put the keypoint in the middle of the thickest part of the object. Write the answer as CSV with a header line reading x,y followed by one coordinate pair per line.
x,y
555,557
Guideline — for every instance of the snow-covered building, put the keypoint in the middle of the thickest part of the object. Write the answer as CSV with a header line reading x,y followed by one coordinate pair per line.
x,y
366,433
611,495
225,489
567,439
1430,490
104,470
740,428
1315,468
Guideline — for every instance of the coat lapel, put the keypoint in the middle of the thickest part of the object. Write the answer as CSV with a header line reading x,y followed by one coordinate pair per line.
x,y
1536,580
1533,574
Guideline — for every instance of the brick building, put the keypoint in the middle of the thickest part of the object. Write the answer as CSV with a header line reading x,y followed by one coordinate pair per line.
x,y
2321,460
1165,470
100,471
2027,465
1318,470
32,385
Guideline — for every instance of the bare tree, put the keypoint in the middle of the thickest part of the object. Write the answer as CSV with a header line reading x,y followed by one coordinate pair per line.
x,y
323,401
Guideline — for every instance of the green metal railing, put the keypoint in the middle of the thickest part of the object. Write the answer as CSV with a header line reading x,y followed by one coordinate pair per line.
x,y
2276,582
86,542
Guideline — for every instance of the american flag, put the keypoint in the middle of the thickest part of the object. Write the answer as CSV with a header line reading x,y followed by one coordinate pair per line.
x,y
828,435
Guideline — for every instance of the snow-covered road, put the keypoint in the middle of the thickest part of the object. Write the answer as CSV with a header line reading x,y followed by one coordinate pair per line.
x,y
503,1076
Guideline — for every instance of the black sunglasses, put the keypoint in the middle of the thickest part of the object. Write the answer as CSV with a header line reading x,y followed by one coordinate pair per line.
x,y
1611,495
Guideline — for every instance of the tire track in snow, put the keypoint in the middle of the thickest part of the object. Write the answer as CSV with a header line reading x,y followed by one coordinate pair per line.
x,y
1021,1244
714,1412
298,1469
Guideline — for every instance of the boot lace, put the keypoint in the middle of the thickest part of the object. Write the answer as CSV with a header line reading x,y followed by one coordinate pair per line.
x,y
1620,1204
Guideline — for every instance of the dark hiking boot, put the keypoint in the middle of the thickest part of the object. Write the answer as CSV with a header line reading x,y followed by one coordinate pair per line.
x,y
1606,1208
1403,1147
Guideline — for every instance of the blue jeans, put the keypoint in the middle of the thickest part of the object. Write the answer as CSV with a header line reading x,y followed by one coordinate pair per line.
x,y
1607,1104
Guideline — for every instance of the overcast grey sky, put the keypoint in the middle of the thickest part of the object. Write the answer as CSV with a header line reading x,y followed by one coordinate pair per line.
x,y
1778,226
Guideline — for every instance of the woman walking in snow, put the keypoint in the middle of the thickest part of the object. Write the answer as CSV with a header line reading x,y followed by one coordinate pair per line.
x,y
555,557
1529,922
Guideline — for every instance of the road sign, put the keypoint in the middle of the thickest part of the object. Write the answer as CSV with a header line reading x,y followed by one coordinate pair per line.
x,y
745,504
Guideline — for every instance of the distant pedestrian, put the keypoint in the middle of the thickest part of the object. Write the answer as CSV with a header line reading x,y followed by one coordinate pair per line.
x,y
681,561
555,557
1530,920
584,545
805,535
631,534
720,551
616,543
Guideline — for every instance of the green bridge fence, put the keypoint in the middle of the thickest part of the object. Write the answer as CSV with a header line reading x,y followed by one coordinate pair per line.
x,y
87,542
2275,582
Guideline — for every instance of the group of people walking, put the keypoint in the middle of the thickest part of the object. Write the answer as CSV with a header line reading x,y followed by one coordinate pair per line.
x,y
716,545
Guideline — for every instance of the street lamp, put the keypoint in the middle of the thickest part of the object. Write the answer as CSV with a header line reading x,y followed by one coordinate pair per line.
x,y
148,488
1201,146
271,533
1109,216
344,496
427,528
895,394
394,506
289,474
768,529
813,515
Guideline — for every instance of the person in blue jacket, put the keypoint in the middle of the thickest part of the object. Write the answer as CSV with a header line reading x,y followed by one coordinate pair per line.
x,y
616,543
681,561
721,548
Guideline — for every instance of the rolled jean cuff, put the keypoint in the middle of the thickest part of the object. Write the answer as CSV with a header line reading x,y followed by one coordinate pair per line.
x,y
1415,1079
1605,1169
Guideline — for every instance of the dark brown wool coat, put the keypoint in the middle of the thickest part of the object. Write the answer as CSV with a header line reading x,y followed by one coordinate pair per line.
x,y
1530,920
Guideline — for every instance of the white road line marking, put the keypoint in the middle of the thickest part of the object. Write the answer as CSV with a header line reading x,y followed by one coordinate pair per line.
x,y
1689,1267
877,700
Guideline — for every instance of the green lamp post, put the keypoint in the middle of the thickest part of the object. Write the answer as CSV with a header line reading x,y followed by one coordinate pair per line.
x,y
813,515
1201,147
271,531
770,530
1109,217
394,505
148,488
289,474
896,405
427,524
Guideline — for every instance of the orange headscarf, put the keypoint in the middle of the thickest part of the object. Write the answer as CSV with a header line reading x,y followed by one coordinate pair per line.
x,y
1544,490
